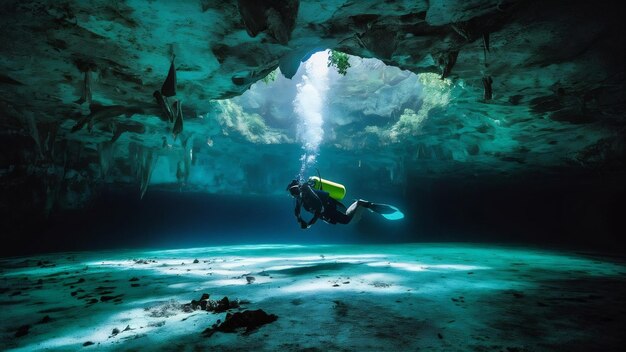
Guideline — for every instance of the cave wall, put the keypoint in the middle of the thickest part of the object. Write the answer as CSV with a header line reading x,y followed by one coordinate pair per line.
x,y
536,89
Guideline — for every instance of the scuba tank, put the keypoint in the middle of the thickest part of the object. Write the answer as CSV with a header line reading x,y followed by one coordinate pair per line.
x,y
335,190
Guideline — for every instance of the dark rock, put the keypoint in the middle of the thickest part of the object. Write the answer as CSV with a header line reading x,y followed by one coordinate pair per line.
x,y
380,42
135,285
88,343
22,330
222,305
250,279
238,80
108,298
439,336
134,279
446,62
144,261
115,331
290,63
204,296
196,261
249,319
45,320
277,17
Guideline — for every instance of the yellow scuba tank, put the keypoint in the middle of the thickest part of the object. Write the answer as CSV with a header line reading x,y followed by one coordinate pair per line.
x,y
335,190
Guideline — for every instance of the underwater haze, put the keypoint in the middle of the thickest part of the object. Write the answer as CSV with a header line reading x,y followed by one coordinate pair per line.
x,y
307,175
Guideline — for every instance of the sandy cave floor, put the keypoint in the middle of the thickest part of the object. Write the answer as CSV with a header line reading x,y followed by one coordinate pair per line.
x,y
447,297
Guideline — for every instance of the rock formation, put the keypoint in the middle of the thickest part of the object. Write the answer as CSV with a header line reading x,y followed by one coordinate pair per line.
x,y
534,86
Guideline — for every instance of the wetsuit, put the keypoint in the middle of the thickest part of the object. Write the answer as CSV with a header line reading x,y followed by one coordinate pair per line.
x,y
321,205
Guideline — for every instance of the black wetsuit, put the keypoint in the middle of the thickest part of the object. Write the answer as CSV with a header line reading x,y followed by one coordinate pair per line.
x,y
321,205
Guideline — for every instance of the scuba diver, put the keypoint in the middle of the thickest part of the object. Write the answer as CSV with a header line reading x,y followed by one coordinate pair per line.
x,y
322,198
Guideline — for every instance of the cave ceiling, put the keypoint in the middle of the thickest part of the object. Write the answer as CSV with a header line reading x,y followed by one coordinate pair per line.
x,y
532,86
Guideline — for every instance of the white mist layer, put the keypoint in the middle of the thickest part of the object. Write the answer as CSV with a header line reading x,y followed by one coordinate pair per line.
x,y
309,108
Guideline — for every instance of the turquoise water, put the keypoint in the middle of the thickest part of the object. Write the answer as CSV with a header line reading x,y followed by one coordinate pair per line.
x,y
444,297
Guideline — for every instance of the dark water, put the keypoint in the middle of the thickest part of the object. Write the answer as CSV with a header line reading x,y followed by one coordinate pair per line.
x,y
580,214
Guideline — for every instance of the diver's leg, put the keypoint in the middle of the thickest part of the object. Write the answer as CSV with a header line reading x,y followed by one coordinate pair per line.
x,y
355,210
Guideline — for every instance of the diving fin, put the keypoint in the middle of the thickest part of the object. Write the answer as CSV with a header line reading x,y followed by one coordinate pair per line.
x,y
389,212
381,208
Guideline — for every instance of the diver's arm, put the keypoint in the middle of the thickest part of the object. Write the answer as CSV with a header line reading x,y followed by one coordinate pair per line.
x,y
297,210
314,201
313,220
316,215
298,207
308,196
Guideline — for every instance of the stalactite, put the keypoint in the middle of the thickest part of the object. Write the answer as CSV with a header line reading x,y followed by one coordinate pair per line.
x,y
105,153
31,126
447,61
488,93
149,160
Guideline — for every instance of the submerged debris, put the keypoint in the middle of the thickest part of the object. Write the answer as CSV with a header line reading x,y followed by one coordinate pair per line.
x,y
144,261
165,310
204,303
249,319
